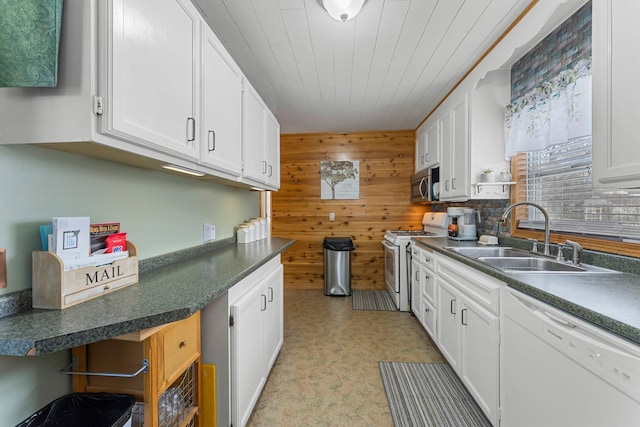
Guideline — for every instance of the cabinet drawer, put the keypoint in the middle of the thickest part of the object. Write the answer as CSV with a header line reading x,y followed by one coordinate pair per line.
x,y
179,346
428,259
482,288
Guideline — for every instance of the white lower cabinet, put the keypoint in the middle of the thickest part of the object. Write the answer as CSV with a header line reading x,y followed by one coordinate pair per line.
x,y
429,316
468,330
448,335
423,288
256,339
242,334
416,289
479,355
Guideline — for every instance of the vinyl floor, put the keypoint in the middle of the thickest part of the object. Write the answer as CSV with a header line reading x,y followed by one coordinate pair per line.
x,y
327,372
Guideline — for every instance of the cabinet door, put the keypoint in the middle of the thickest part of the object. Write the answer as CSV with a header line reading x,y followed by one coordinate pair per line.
x,y
429,285
416,289
429,316
247,363
460,150
446,174
272,140
255,166
432,155
616,153
274,326
448,324
479,355
421,150
152,79
221,107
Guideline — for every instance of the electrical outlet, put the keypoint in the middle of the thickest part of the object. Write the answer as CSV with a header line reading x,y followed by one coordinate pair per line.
x,y
3,268
209,232
332,216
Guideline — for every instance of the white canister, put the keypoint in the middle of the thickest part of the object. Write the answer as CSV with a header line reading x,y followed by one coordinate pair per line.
x,y
259,229
243,234
252,231
264,227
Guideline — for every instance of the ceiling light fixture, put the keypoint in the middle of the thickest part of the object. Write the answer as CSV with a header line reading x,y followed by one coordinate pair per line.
x,y
181,169
343,10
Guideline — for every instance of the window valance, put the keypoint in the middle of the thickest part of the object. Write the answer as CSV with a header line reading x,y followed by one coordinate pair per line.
x,y
554,112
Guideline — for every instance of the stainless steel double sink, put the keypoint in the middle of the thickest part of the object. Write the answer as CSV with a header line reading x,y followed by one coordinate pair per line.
x,y
512,260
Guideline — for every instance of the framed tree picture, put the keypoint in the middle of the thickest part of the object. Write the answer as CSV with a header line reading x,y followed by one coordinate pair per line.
x,y
339,179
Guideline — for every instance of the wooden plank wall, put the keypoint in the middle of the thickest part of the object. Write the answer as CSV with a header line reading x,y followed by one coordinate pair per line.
x,y
386,165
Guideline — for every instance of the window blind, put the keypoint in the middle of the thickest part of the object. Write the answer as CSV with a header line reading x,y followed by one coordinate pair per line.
x,y
559,179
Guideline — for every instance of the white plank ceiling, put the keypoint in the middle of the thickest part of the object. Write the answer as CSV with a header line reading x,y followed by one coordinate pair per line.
x,y
386,69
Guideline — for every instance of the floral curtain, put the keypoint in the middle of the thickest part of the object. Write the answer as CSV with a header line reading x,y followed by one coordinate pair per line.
x,y
554,112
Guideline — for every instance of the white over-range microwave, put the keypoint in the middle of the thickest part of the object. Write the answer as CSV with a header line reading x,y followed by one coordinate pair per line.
x,y
422,186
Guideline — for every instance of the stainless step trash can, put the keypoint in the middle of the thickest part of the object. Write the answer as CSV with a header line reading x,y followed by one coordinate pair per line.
x,y
337,265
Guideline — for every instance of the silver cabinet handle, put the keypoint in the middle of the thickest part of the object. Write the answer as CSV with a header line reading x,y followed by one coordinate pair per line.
x,y
263,305
264,167
270,294
191,129
212,140
446,185
464,310
453,183
270,170
451,305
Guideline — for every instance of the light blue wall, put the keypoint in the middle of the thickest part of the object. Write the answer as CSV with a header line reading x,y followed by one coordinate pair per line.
x,y
160,212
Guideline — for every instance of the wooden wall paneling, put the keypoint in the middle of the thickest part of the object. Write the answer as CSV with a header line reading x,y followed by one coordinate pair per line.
x,y
386,165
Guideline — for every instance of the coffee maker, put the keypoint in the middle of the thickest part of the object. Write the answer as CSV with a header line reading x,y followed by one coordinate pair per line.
x,y
462,224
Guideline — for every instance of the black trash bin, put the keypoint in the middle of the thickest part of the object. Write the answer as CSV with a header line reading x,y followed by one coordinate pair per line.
x,y
337,265
85,409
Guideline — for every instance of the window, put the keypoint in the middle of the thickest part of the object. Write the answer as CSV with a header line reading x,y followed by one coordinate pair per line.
x,y
558,178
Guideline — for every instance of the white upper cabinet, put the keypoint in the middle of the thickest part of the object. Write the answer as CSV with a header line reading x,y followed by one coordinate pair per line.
x,y
146,83
616,43
221,114
260,142
152,74
459,161
272,131
454,168
427,146
469,132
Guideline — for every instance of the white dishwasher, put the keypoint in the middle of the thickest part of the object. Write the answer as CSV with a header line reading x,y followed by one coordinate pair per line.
x,y
557,370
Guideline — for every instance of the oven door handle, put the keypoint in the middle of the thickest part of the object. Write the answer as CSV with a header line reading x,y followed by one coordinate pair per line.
x,y
389,246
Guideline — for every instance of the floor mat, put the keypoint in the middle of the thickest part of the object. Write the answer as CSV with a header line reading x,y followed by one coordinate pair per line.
x,y
372,300
429,395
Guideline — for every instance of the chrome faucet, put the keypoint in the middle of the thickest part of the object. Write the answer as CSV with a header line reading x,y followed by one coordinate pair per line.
x,y
577,250
546,220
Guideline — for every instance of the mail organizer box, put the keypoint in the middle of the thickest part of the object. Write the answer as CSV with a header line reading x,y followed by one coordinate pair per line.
x,y
55,288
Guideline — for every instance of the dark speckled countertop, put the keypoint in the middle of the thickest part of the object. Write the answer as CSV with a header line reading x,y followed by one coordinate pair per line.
x,y
170,290
611,301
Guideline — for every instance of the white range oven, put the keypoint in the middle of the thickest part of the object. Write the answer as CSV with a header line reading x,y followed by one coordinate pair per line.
x,y
397,255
